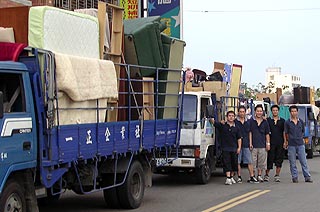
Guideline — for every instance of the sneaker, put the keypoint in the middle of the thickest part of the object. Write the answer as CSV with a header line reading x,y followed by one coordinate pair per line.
x,y
295,180
253,180
228,181
233,180
277,178
308,180
239,180
266,178
259,178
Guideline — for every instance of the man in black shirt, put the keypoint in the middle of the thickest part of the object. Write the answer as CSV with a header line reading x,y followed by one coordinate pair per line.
x,y
230,145
277,137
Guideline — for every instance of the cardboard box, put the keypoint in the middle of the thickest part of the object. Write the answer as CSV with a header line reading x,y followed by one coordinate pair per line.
x,y
188,88
272,96
217,87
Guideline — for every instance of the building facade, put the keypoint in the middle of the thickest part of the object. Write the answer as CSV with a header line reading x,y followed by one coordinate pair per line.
x,y
275,79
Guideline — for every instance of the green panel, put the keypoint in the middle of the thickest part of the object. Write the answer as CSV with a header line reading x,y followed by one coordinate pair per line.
x,y
145,34
173,49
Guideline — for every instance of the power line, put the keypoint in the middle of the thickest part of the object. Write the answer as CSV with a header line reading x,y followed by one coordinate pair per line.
x,y
251,11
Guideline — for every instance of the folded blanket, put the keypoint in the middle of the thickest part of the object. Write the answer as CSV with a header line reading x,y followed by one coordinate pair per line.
x,y
85,78
11,51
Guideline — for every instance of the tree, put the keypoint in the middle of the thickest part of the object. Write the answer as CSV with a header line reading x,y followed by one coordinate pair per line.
x,y
284,87
269,88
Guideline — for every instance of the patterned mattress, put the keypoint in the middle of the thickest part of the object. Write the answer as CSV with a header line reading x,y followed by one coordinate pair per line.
x,y
64,31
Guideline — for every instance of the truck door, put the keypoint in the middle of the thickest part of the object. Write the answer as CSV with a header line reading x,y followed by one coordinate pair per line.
x,y
16,138
207,132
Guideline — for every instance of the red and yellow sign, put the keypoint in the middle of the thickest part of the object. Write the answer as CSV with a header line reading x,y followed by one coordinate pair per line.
x,y
131,9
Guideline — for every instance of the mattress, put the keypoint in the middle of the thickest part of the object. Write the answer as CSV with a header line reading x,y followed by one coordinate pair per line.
x,y
86,78
64,31
78,116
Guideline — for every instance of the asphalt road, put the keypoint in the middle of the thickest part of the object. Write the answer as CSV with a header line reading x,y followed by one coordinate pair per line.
x,y
179,193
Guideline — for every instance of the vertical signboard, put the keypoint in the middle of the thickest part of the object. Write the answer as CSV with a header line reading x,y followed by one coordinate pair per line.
x,y
131,8
169,11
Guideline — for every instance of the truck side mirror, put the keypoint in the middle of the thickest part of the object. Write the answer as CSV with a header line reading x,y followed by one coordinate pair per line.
x,y
311,116
210,111
1,104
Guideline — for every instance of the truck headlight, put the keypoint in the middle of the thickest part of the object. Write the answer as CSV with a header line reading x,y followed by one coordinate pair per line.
x,y
187,152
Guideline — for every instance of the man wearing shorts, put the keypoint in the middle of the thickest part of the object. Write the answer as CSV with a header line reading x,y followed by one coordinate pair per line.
x,y
245,154
277,137
259,139
230,145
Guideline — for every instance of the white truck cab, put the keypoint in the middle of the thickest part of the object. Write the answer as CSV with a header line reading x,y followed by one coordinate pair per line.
x,y
197,139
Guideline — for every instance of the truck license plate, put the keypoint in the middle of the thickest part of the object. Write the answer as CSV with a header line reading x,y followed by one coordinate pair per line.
x,y
160,161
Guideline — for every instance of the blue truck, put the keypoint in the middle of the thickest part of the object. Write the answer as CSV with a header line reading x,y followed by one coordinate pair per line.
x,y
40,158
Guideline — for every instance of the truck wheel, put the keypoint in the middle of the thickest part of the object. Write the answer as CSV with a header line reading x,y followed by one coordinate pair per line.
x,y
111,198
132,191
309,153
203,173
12,198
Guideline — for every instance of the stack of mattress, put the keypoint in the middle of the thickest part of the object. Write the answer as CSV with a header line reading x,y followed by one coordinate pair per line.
x,y
84,82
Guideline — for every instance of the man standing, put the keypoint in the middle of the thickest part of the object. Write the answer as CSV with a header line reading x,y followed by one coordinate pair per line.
x,y
294,129
259,141
245,154
230,145
277,137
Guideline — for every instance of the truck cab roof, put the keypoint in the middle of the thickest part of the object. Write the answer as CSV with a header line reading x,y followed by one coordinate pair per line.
x,y
199,93
9,65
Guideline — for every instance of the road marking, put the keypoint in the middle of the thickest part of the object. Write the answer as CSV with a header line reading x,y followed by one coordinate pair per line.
x,y
242,201
231,201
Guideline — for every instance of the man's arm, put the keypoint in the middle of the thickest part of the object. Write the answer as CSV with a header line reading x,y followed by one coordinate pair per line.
x,y
286,135
239,145
250,140
267,142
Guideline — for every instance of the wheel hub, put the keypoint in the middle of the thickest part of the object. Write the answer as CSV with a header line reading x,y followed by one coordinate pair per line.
x,y
13,204
136,185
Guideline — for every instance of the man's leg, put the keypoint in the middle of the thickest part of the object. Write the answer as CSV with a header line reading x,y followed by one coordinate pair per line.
x,y
239,166
270,161
292,161
227,166
262,162
279,155
303,161
254,155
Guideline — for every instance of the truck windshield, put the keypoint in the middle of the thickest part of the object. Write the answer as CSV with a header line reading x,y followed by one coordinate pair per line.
x,y
189,108
302,114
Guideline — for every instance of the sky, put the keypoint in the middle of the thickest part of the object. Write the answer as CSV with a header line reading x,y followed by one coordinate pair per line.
x,y
256,35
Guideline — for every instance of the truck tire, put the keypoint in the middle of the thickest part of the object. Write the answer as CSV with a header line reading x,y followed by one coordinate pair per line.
x,y
12,198
203,173
111,198
132,191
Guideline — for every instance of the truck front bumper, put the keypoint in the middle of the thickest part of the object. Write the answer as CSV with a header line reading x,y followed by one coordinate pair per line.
x,y
179,162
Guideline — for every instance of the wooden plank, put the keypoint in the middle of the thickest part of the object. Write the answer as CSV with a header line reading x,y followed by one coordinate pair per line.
x,y
148,98
102,9
115,51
